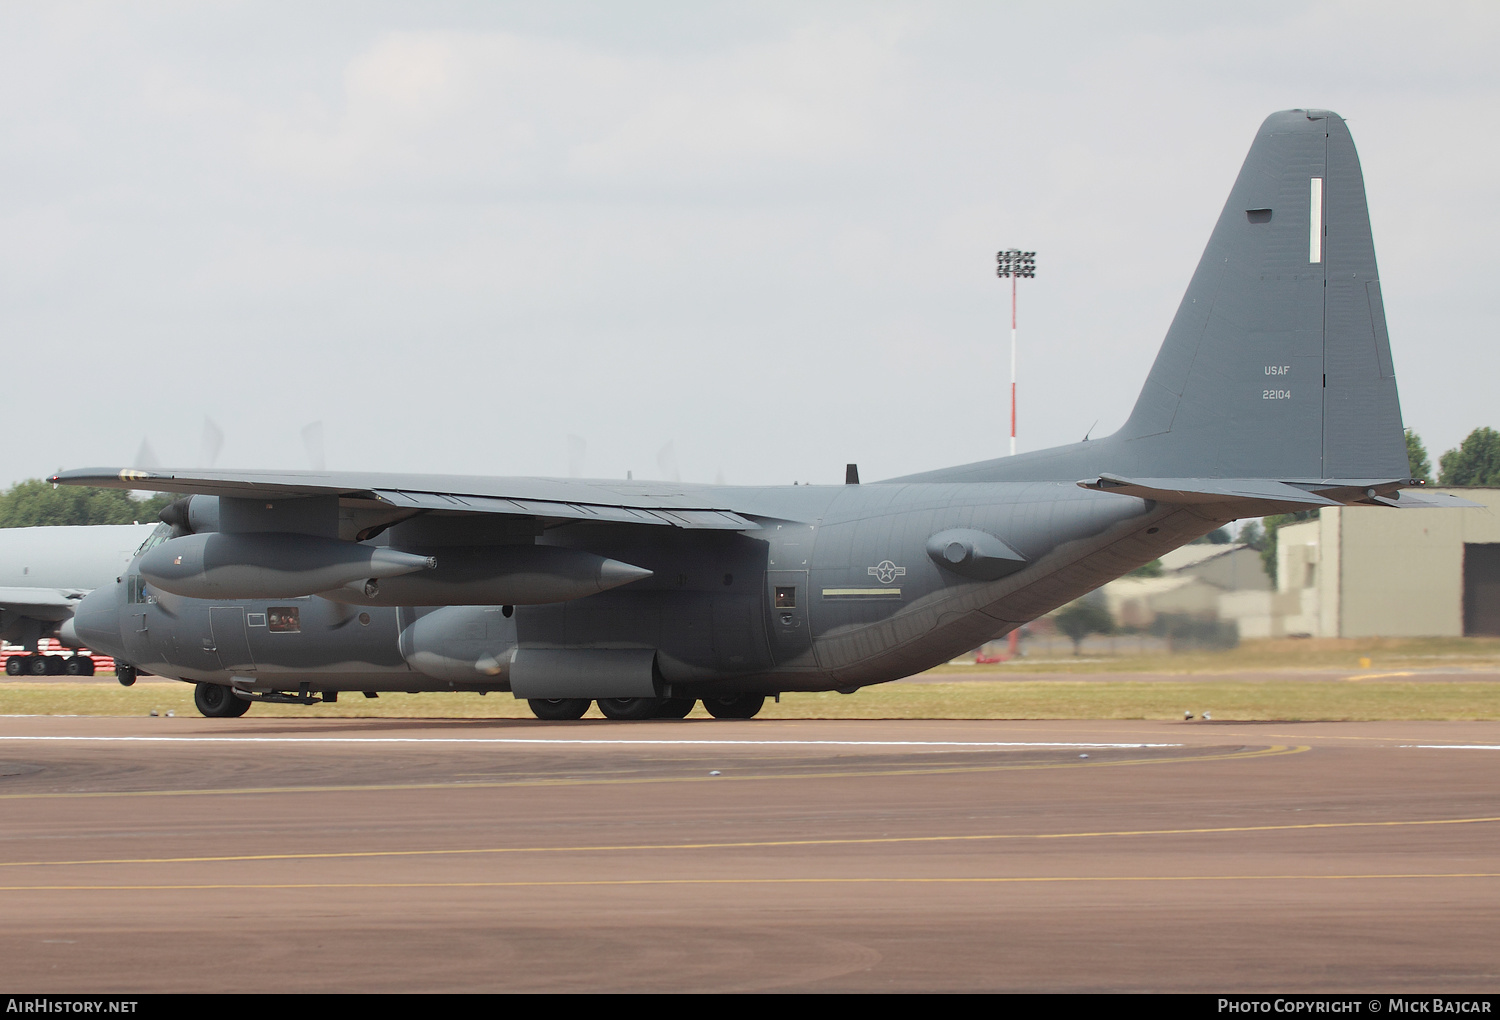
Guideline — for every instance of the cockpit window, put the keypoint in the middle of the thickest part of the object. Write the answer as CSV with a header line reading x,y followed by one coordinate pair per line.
x,y
161,534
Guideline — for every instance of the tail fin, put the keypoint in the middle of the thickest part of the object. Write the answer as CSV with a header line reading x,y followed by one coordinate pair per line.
x,y
1278,364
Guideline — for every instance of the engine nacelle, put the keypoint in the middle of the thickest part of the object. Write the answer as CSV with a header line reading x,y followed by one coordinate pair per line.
x,y
498,575
269,565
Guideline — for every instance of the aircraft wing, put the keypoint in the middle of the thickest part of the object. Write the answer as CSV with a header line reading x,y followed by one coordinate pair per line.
x,y
21,599
666,504
39,603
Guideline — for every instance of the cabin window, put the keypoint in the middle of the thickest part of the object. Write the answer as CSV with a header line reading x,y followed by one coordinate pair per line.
x,y
786,598
284,619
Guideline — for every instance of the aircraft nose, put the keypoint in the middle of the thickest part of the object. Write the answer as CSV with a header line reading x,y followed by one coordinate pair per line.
x,y
96,620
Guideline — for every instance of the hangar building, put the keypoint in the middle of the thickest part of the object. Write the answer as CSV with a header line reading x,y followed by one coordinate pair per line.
x,y
1373,572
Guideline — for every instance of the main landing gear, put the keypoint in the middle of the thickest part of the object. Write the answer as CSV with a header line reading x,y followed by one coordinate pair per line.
x,y
558,708
736,706
218,701
49,665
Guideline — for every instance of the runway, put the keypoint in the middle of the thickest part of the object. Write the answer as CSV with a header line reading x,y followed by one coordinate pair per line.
x,y
184,854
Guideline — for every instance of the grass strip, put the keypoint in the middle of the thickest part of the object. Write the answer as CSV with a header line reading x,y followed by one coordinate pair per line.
x,y
1225,699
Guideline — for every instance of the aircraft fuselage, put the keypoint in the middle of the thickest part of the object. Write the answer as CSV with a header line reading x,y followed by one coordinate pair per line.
x,y
839,587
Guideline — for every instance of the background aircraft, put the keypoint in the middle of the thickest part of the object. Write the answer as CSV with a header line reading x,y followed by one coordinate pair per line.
x,y
1272,391
44,572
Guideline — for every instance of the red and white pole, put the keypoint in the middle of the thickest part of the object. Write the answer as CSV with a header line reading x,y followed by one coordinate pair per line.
x,y
1013,642
1012,366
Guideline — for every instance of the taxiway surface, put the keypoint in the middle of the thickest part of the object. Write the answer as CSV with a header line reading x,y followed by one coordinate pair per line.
x,y
184,854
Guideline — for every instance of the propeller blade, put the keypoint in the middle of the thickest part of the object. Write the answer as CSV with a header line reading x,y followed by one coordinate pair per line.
x,y
666,460
312,443
576,449
213,442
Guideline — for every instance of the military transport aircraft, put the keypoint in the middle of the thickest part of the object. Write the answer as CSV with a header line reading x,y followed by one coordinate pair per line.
x,y
44,573
1273,391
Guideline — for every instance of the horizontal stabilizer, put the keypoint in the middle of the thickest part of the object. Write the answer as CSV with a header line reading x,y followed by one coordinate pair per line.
x,y
1328,492
1409,500
1206,490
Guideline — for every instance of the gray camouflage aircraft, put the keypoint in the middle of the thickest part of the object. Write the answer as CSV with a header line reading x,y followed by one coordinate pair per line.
x,y
44,573
1273,391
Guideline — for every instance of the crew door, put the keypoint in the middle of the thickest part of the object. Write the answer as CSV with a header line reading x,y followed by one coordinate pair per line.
x,y
230,640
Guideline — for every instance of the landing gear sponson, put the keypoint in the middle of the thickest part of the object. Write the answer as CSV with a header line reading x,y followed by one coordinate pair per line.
x,y
219,701
735,706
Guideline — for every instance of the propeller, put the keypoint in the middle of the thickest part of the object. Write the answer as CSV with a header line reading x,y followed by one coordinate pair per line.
x,y
666,460
212,443
312,443
576,449
145,457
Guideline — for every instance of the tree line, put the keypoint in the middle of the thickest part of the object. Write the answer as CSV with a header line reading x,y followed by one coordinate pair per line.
x,y
1475,461
35,503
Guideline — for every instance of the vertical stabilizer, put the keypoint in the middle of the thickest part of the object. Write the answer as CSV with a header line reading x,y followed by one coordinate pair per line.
x,y
1278,364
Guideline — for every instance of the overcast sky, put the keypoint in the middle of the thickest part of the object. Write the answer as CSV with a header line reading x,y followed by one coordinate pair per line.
x,y
740,242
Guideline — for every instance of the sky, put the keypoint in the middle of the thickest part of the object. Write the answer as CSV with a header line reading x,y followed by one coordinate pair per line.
x,y
720,242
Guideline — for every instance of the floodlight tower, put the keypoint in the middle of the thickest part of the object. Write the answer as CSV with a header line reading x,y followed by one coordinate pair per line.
x,y
1014,264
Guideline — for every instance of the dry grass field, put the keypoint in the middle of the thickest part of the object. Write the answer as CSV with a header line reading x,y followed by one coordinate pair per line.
x,y
1327,679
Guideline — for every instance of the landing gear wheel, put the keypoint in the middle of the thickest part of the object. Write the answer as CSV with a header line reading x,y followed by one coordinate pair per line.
x,y
15,665
736,706
628,708
219,702
558,708
36,665
675,708
125,674
78,665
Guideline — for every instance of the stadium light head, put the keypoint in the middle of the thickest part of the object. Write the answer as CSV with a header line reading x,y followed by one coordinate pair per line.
x,y
1015,263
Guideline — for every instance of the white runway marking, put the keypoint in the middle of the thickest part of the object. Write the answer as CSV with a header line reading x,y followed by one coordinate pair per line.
x,y
978,744
1454,747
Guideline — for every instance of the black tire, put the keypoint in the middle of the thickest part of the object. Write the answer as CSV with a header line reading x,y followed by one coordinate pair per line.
x,y
675,708
628,709
125,674
15,665
555,709
36,665
77,665
219,702
736,706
